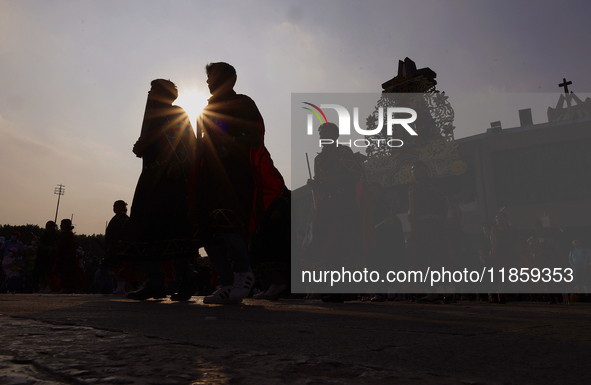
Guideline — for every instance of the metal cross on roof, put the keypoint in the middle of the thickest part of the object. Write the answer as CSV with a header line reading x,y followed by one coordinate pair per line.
x,y
565,84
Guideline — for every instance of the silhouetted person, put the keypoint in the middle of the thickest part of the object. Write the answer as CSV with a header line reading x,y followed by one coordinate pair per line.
x,y
159,210
545,251
45,258
116,227
390,249
390,246
116,232
67,266
508,250
507,245
271,248
166,146
14,270
484,244
544,248
429,213
231,126
29,255
343,226
12,242
579,257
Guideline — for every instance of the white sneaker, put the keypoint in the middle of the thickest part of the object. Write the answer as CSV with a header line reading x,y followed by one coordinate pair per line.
x,y
429,298
120,288
274,291
271,293
221,296
242,284
261,295
47,290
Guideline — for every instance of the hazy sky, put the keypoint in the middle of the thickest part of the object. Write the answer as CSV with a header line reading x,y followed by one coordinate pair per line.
x,y
74,75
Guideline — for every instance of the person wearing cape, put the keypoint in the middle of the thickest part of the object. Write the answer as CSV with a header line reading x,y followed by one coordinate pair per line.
x,y
159,210
236,181
343,226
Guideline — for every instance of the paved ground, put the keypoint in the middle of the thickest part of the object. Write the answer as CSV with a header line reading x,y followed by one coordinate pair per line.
x,y
92,339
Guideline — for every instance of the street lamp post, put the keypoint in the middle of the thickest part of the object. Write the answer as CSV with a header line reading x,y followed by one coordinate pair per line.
x,y
59,190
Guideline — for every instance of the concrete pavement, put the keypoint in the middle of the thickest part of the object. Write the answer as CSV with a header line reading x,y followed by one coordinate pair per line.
x,y
97,339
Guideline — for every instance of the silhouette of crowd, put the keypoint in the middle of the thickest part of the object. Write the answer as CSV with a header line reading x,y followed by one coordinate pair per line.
x,y
217,190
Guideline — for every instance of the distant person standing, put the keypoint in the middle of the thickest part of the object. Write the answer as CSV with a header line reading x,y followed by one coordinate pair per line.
x,y
45,255
390,248
114,233
508,250
435,239
116,227
579,257
12,242
159,211
14,267
2,240
67,267
13,246
508,247
29,255
544,249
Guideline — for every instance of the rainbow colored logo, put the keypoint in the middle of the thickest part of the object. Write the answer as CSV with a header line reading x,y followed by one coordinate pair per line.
x,y
316,113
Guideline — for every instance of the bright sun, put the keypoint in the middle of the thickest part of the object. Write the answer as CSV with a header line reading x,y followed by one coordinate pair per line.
x,y
193,102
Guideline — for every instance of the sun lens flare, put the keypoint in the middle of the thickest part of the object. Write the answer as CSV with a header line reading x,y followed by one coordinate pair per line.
x,y
193,102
